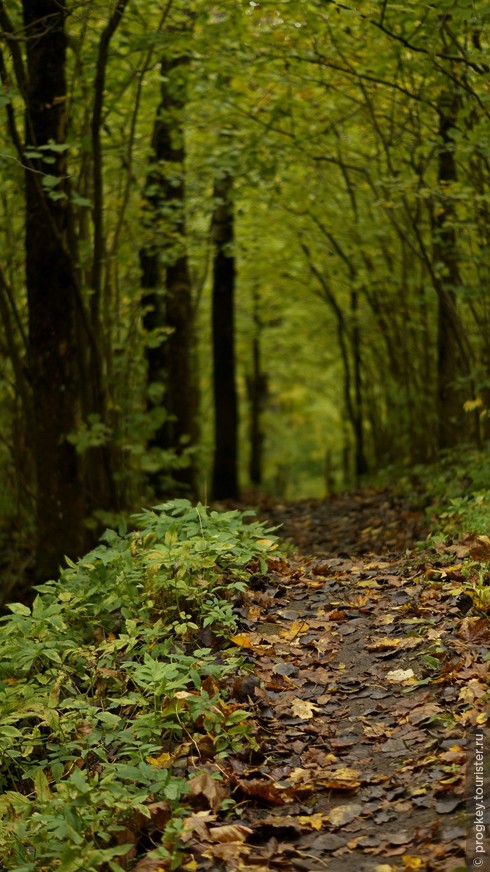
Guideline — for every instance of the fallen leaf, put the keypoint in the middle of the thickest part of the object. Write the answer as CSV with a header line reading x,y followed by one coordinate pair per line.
x,y
401,676
341,779
412,863
313,821
242,640
204,785
480,549
302,708
197,825
344,814
263,789
384,644
294,630
230,833
161,761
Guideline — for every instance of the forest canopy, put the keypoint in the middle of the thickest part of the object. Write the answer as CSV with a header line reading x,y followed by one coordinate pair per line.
x,y
244,244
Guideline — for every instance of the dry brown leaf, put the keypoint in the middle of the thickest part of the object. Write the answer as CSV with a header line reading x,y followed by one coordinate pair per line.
x,y
196,825
473,629
374,731
480,549
230,833
422,712
148,865
204,785
268,790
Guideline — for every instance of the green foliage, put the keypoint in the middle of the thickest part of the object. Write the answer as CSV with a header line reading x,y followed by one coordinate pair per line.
x,y
106,673
455,491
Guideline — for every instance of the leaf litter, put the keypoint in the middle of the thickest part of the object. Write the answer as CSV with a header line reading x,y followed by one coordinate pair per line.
x,y
365,675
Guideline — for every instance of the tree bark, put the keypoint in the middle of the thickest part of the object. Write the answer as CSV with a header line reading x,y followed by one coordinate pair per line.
x,y
225,468
257,392
51,293
168,301
452,360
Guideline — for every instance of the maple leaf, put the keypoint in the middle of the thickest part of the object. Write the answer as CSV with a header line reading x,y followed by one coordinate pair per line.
x,y
302,708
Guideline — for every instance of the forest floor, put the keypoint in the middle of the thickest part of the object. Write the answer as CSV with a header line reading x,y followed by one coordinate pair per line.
x,y
369,680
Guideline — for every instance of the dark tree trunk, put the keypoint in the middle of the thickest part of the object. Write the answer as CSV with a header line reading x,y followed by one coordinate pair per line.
x,y
257,392
452,359
166,278
361,466
52,294
225,468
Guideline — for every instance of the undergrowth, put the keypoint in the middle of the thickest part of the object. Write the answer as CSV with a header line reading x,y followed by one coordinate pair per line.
x,y
455,491
117,671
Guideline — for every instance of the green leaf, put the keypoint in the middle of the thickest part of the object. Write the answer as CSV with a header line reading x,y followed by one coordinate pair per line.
x,y
19,609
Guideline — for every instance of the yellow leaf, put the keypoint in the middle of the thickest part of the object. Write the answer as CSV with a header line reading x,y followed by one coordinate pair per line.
x,y
411,862
401,676
293,630
299,774
267,543
242,640
162,761
471,405
313,821
384,644
341,779
302,708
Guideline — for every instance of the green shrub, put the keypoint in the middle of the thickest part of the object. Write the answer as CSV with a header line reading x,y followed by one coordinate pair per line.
x,y
106,676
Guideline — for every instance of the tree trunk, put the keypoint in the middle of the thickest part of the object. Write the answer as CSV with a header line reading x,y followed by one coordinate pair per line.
x,y
361,466
171,363
51,293
452,360
257,392
225,469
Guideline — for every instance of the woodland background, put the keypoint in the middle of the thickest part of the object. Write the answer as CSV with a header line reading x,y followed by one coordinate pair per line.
x,y
243,244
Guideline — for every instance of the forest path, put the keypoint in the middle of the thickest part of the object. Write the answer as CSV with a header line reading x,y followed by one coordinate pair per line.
x,y
369,679
359,522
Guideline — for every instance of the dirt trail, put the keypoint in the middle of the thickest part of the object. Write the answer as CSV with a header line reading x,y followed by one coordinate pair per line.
x,y
369,675
360,522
